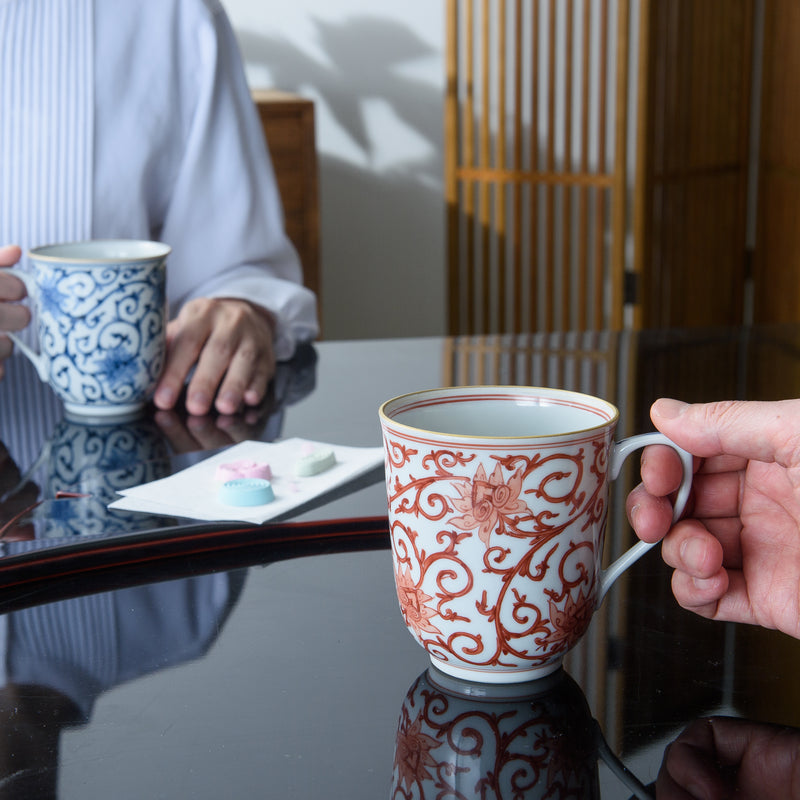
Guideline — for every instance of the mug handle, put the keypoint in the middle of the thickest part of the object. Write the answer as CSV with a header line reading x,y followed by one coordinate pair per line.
x,y
39,361
620,451
618,768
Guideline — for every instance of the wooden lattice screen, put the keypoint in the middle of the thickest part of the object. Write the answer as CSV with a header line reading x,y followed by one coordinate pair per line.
x,y
536,130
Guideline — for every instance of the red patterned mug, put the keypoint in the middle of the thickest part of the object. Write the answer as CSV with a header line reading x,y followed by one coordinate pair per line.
x,y
498,500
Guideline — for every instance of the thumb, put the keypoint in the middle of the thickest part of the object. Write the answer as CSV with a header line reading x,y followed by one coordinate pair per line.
x,y
762,431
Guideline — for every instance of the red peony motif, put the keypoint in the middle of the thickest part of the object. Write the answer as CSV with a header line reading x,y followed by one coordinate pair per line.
x,y
486,503
568,623
412,755
413,605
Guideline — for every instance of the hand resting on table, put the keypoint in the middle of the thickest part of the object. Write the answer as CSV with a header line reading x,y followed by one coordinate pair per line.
x,y
229,343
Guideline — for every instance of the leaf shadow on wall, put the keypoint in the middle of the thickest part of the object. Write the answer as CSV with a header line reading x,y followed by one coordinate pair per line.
x,y
382,230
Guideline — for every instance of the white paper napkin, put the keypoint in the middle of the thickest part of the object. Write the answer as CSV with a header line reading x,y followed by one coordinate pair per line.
x,y
192,492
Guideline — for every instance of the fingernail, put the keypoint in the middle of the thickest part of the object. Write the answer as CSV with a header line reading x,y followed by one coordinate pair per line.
x,y
692,552
199,403
684,549
669,409
228,403
165,398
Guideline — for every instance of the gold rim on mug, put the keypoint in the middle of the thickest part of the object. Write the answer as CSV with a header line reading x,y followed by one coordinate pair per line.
x,y
494,392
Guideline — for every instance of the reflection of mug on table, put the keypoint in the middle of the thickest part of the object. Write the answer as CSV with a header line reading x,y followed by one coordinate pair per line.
x,y
498,500
462,740
101,322
96,462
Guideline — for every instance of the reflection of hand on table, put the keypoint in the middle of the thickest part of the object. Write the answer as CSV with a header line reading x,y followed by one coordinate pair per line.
x,y
187,434
723,757
292,381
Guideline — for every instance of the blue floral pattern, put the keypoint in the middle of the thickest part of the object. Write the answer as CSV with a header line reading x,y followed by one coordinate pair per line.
x,y
98,461
103,330
51,298
117,366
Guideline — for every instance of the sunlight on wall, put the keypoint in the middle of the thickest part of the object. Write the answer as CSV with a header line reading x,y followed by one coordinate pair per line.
x,y
347,55
375,72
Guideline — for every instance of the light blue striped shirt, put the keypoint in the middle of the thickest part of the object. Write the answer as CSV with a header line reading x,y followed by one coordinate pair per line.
x,y
133,119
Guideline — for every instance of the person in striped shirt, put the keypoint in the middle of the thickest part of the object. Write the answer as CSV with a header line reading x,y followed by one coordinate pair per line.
x,y
133,119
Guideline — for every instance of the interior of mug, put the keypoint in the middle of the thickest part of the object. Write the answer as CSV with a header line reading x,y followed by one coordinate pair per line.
x,y
101,250
500,412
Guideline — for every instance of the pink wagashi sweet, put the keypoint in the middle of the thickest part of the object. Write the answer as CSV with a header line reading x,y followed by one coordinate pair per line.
x,y
243,469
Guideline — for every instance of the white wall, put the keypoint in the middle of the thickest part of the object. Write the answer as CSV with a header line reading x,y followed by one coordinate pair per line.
x,y
375,70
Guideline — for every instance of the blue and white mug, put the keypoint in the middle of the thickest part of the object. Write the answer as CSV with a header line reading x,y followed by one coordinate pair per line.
x,y
101,318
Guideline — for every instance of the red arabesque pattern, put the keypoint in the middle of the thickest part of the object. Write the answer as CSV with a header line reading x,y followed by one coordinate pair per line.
x,y
496,554
460,748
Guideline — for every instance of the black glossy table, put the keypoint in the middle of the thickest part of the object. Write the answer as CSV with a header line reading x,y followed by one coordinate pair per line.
x,y
153,657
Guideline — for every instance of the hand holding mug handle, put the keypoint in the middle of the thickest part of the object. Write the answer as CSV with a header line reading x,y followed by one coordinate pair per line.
x,y
40,362
620,451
